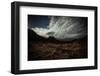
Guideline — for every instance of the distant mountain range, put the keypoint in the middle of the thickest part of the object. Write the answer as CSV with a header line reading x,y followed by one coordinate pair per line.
x,y
34,37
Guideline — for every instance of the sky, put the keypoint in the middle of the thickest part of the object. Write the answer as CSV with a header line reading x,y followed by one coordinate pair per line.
x,y
38,21
62,27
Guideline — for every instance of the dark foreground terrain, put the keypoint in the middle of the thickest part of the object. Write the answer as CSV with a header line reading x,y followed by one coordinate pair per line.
x,y
40,48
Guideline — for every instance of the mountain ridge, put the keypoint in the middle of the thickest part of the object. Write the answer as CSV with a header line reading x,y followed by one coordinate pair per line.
x,y
33,36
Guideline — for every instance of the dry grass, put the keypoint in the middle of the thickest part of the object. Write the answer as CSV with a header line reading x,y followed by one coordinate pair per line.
x,y
51,50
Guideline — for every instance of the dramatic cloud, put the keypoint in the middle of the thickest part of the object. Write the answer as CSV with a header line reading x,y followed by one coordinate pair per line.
x,y
64,28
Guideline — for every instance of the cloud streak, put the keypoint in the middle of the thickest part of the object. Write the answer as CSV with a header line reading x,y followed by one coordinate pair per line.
x,y
64,28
